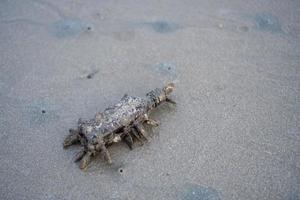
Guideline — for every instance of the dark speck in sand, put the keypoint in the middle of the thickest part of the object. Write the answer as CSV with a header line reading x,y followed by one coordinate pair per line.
x,y
92,74
36,114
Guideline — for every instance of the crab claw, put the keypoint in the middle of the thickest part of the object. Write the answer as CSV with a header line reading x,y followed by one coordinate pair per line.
x,y
169,88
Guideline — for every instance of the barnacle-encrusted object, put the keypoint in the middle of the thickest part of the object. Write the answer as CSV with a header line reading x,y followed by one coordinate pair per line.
x,y
121,122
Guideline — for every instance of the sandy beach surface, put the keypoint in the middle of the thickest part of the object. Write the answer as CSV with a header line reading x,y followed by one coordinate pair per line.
x,y
234,133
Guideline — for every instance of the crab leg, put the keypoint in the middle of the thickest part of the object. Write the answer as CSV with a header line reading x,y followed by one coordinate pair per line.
x,y
141,130
136,135
128,140
170,101
85,160
71,139
106,155
150,121
105,152
79,155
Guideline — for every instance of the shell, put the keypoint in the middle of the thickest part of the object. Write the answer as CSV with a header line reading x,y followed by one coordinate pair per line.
x,y
123,121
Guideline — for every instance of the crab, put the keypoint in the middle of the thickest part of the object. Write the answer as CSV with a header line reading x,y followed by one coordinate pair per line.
x,y
121,122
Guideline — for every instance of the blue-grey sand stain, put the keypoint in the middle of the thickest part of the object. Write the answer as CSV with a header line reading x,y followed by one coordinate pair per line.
x,y
63,28
267,22
197,192
68,27
162,26
39,112
294,196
